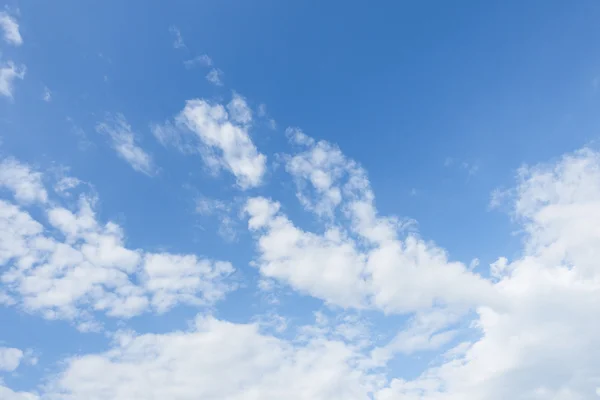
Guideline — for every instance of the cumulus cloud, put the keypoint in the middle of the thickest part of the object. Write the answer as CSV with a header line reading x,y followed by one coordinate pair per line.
x,y
221,137
544,343
360,260
124,142
26,184
217,359
10,29
73,265
10,358
9,72
174,278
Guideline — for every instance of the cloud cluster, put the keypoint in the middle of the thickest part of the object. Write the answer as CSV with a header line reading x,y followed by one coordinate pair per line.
x,y
221,135
544,343
10,28
360,259
70,265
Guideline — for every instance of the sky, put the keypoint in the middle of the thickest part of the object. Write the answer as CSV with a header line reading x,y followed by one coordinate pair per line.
x,y
302,200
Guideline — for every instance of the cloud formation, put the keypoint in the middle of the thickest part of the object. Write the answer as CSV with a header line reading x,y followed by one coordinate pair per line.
x,y
70,265
221,135
10,29
124,142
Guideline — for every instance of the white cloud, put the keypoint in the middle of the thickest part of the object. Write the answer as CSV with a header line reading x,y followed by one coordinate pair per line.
x,y
26,184
11,29
178,39
65,184
327,266
8,394
10,358
239,111
47,95
222,138
359,260
543,343
202,60
8,73
172,279
123,141
223,211
75,266
215,76
217,360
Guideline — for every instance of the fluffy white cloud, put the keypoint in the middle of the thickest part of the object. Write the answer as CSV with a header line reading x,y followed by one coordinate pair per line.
x,y
72,265
26,184
172,279
217,360
325,266
10,358
360,260
8,394
123,141
222,138
8,73
545,342
10,27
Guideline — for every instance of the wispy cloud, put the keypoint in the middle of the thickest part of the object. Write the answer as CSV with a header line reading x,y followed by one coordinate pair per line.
x,y
215,76
202,60
47,95
9,72
123,140
178,39
10,29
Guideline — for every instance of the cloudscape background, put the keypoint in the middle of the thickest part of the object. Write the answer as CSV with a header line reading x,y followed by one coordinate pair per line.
x,y
299,200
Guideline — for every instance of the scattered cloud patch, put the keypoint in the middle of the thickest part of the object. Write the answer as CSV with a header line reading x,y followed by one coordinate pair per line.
x,y
9,72
124,142
221,137
47,95
177,38
10,29
202,60
10,358
215,76
71,266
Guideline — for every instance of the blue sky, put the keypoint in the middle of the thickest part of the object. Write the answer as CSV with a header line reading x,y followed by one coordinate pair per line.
x,y
401,198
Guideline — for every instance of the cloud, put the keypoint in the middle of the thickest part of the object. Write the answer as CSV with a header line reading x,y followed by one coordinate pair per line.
x,y
178,39
8,73
10,27
222,138
8,394
360,260
74,266
239,110
173,278
215,76
123,141
26,184
217,359
202,60
10,358
47,95
206,207
543,344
